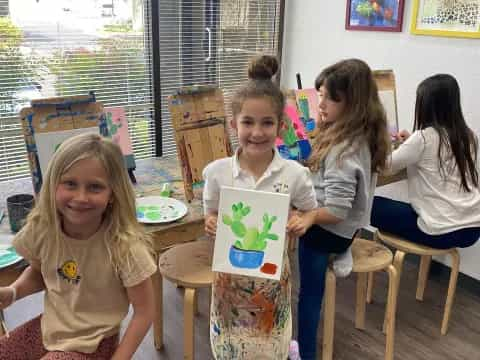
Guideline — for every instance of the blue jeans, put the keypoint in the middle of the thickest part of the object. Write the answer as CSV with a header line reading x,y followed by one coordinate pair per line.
x,y
399,218
313,252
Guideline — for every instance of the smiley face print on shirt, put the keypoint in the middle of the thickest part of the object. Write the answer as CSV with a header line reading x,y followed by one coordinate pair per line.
x,y
69,272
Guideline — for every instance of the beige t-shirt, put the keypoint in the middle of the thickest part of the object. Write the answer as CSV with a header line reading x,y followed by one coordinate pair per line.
x,y
85,299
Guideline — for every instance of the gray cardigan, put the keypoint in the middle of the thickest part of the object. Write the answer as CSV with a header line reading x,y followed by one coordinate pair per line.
x,y
345,188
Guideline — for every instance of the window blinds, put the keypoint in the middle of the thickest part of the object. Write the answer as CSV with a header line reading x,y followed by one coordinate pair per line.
x,y
59,48
211,42
56,48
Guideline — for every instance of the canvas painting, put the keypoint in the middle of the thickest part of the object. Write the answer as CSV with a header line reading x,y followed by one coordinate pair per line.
x,y
455,18
117,125
48,142
307,103
251,233
376,15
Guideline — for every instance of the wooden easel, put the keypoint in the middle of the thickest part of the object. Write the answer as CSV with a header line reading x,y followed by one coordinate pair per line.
x,y
57,114
385,80
199,121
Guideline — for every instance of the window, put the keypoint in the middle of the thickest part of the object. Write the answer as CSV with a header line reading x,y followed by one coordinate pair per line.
x,y
69,47
211,42
58,48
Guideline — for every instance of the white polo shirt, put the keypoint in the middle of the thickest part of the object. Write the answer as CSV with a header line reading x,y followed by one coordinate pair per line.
x,y
283,176
442,206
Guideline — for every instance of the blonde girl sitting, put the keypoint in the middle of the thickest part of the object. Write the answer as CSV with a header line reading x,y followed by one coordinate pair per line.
x,y
88,252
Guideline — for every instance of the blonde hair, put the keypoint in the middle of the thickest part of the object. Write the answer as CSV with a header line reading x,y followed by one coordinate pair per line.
x,y
123,232
363,117
261,70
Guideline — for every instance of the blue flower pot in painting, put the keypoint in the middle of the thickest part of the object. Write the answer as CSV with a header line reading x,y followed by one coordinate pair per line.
x,y
245,259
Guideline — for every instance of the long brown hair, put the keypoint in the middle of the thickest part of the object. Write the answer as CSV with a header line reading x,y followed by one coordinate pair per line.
x,y
363,118
438,105
261,70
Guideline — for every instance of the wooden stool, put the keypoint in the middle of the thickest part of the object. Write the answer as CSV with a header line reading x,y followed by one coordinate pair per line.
x,y
404,247
368,256
190,266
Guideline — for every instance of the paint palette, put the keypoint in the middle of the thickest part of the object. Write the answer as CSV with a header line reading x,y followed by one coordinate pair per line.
x,y
159,209
8,256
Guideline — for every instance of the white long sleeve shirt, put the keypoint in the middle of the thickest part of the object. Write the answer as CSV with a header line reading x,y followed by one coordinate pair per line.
x,y
441,204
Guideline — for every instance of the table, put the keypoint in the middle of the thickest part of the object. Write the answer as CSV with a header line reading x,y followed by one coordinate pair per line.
x,y
151,174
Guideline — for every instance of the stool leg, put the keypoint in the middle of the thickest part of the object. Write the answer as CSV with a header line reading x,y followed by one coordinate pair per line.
x,y
157,282
452,286
391,311
398,264
361,303
329,315
423,276
370,287
188,330
195,303
371,275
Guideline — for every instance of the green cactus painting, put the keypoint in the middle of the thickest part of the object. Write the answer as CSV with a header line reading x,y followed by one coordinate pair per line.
x,y
250,238
112,127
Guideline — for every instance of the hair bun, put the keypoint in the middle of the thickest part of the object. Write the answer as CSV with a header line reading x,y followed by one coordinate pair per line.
x,y
263,67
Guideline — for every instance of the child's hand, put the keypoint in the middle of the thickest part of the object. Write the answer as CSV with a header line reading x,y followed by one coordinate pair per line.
x,y
211,225
6,297
402,135
297,225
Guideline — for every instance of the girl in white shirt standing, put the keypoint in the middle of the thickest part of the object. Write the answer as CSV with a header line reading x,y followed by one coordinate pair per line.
x,y
441,158
251,317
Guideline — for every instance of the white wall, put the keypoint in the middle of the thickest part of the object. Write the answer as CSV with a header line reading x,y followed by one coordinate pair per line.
x,y
315,37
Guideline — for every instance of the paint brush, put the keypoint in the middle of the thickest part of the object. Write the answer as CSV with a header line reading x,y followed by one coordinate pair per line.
x,y
3,324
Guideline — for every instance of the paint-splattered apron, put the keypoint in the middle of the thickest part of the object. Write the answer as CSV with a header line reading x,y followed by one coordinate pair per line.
x,y
250,317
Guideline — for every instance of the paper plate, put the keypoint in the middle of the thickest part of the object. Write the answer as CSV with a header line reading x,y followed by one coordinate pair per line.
x,y
159,209
8,256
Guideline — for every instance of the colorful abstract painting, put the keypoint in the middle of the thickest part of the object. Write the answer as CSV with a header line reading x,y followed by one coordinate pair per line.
x,y
377,15
456,18
250,238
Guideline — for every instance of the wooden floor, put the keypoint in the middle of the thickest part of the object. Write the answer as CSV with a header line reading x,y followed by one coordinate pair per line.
x,y
418,323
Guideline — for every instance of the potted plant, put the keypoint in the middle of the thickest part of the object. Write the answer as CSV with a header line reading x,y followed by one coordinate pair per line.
x,y
248,250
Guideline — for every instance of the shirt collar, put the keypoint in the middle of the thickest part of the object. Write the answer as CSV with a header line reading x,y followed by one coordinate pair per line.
x,y
275,165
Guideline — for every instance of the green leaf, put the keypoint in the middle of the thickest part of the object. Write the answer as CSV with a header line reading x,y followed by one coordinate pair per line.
x,y
274,218
234,207
238,244
238,228
227,220
272,236
265,218
246,211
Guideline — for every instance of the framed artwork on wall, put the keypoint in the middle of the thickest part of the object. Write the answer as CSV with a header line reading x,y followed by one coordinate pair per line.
x,y
454,18
374,15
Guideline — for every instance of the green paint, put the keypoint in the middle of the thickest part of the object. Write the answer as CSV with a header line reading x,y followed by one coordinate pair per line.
x,y
153,215
250,238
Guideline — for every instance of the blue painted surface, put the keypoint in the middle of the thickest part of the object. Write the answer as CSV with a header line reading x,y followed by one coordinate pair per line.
x,y
245,259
